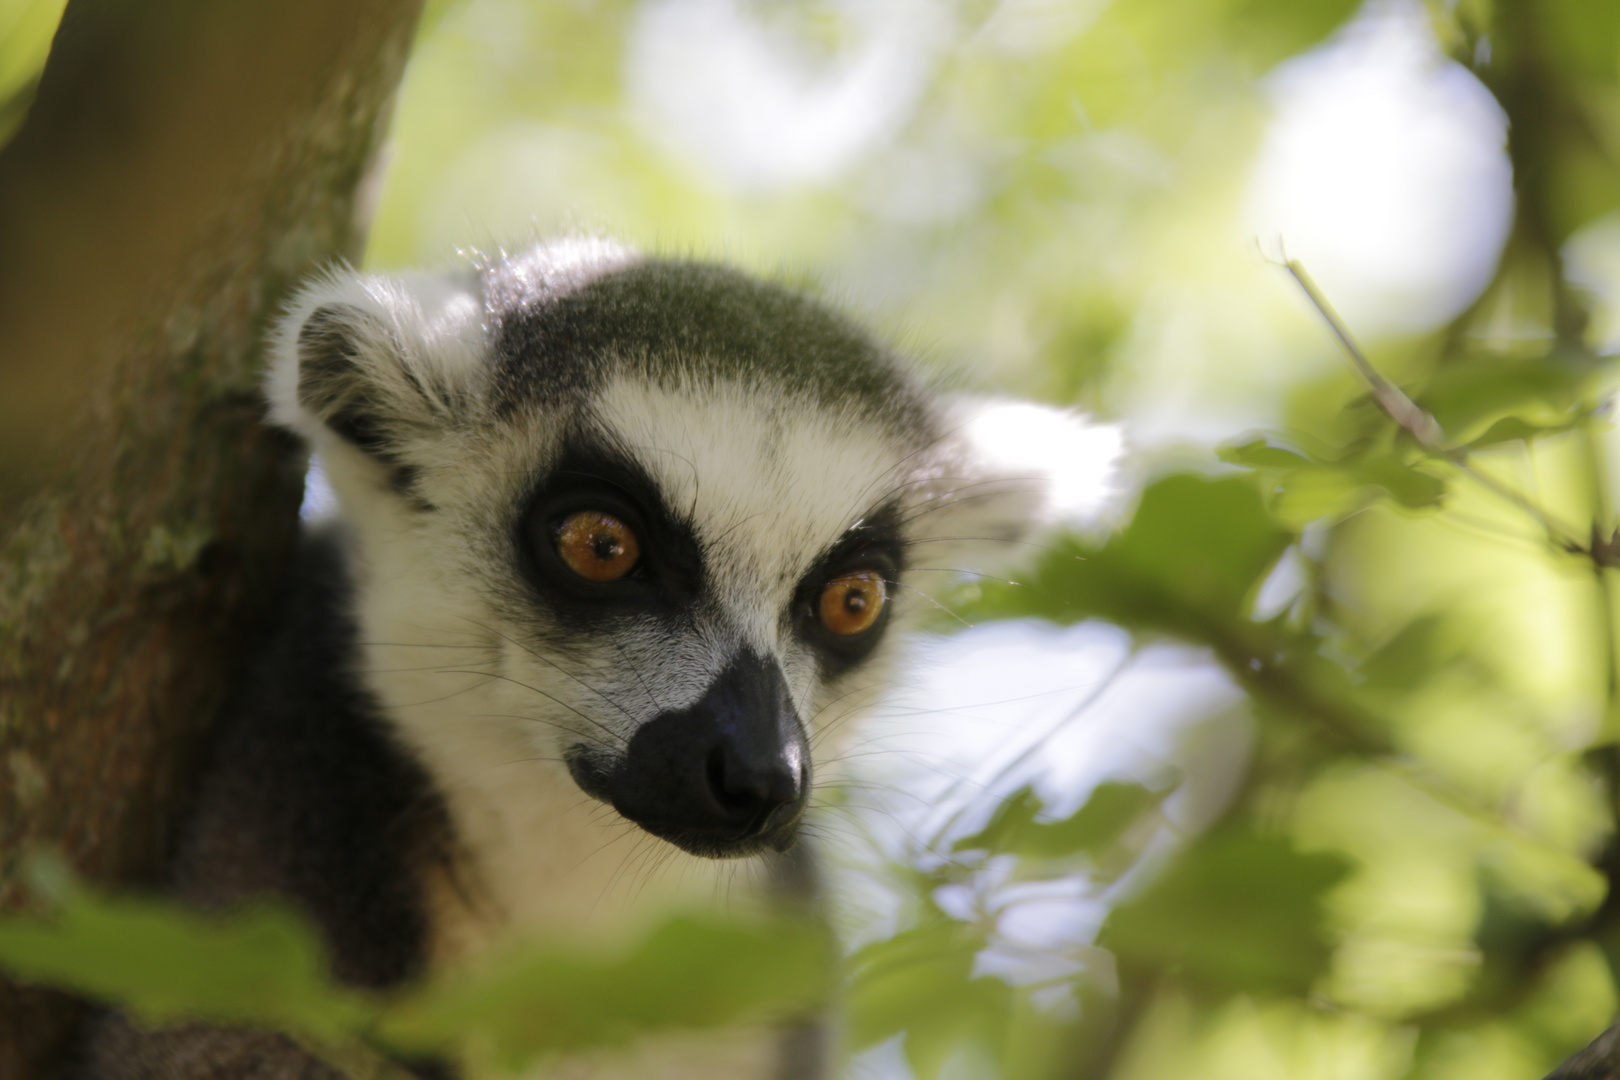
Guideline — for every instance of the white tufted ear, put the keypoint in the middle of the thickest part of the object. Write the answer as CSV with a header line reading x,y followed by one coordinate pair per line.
x,y
375,361
1009,470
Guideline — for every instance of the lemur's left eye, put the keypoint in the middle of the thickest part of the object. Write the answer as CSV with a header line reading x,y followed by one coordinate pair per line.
x,y
597,546
851,603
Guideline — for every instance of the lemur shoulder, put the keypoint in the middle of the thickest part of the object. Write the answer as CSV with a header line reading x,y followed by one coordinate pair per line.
x,y
622,543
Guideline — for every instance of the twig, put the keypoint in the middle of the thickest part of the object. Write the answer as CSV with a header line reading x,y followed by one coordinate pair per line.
x,y
1036,745
1424,428
1402,409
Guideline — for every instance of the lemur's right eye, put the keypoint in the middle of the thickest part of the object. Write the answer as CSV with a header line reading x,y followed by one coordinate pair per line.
x,y
851,603
597,546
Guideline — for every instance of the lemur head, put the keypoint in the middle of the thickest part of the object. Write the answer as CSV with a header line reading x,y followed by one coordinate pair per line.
x,y
668,515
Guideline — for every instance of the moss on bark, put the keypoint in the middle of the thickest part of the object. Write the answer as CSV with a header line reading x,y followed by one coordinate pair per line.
x,y
185,163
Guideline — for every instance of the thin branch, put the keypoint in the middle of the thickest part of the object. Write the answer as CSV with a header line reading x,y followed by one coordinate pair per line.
x,y
1391,398
1424,428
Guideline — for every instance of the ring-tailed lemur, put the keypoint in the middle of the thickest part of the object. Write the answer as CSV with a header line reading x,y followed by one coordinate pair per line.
x,y
621,542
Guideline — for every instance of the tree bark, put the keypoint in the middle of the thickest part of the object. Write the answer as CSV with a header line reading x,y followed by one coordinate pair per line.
x,y
184,164
1599,1061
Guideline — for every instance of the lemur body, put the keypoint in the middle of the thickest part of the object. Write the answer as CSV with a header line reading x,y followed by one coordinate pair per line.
x,y
614,531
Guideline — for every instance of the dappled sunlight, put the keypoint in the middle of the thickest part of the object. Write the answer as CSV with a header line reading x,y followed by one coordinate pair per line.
x,y
1287,748
753,105
1385,171
1395,675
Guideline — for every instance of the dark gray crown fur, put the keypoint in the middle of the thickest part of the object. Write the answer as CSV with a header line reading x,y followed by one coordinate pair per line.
x,y
668,322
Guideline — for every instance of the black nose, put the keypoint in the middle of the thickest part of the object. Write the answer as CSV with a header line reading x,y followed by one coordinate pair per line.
x,y
724,778
751,792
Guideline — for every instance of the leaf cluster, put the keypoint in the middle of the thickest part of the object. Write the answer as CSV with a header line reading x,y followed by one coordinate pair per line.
x,y
264,966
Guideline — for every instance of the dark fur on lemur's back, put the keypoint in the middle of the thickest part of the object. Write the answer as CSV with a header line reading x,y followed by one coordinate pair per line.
x,y
306,797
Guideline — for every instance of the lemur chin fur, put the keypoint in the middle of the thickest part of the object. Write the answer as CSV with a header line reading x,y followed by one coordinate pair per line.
x,y
622,544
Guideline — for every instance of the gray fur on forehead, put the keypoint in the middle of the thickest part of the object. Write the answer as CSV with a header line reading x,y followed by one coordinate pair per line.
x,y
565,327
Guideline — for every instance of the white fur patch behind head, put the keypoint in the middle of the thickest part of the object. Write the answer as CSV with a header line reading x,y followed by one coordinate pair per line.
x,y
1006,470
1077,459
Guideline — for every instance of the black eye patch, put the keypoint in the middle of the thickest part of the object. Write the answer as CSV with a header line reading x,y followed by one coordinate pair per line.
x,y
593,477
872,544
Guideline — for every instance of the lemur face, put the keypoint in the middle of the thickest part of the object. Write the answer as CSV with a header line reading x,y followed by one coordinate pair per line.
x,y
653,522
719,559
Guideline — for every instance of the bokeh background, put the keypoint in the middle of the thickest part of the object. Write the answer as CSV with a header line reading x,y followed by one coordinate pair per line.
x,y
1349,687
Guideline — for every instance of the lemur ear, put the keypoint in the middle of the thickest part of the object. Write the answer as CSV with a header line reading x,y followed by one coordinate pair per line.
x,y
377,362
1009,471
333,383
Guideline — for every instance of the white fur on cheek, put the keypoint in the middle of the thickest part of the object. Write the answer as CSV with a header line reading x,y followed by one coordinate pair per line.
x,y
492,707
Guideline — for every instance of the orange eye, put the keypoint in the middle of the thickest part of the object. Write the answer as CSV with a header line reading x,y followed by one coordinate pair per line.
x,y
597,546
851,603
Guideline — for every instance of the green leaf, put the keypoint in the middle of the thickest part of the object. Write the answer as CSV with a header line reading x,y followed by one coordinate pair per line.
x,y
1408,486
1513,429
1470,396
1303,489
1012,818
903,981
26,30
1188,563
975,1012
689,973
263,965
1238,911
1313,492
260,965
920,984
1113,807
1261,454
1585,38
1265,32
1409,659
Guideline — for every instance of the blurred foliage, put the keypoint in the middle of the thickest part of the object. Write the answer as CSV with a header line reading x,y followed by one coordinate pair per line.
x,y
264,965
1414,877
261,964
26,29
1238,912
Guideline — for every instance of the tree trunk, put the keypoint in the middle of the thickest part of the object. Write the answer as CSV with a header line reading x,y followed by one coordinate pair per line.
x,y
185,162
1599,1061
